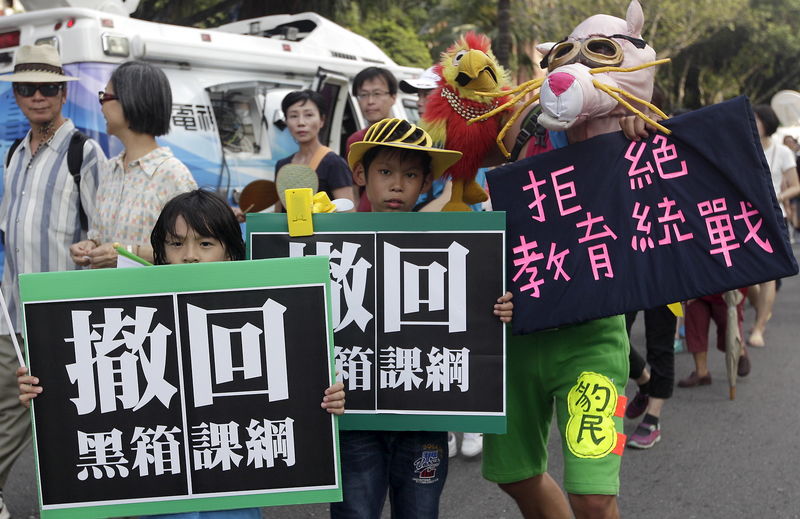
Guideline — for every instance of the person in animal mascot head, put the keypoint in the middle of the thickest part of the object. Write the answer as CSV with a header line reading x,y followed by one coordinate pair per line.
x,y
597,75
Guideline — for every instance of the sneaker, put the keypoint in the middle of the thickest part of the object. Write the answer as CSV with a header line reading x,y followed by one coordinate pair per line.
x,y
452,446
637,406
4,513
645,436
472,444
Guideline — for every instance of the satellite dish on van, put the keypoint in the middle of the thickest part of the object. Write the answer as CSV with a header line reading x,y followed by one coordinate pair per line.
x,y
786,104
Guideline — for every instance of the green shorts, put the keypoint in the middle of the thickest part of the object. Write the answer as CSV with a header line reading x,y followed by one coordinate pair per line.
x,y
583,369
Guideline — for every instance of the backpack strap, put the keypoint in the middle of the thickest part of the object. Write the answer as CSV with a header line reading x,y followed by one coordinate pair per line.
x,y
318,156
11,150
74,164
530,127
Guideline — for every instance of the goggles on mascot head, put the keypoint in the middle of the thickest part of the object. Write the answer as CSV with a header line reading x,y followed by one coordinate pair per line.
x,y
597,51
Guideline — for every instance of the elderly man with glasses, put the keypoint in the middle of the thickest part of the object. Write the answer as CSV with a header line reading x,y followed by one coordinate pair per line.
x,y
50,180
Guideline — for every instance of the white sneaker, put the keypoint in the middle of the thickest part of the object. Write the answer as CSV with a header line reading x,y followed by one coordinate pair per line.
x,y
4,513
472,445
452,447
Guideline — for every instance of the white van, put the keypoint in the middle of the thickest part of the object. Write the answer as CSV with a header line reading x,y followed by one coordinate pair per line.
x,y
227,83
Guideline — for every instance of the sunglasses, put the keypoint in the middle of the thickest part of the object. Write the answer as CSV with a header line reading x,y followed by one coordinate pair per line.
x,y
46,89
104,97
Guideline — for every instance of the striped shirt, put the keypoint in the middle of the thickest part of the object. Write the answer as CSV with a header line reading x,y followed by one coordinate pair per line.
x,y
129,202
39,211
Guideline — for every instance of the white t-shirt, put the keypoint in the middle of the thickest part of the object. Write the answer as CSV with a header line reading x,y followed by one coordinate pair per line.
x,y
780,158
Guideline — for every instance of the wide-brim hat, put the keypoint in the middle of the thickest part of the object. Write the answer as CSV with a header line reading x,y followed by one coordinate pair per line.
x,y
428,80
38,64
398,133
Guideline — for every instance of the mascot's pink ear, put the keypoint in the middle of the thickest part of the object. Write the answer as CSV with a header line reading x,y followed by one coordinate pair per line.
x,y
545,47
635,19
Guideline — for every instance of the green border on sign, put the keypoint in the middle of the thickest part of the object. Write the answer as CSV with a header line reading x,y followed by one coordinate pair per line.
x,y
412,222
84,284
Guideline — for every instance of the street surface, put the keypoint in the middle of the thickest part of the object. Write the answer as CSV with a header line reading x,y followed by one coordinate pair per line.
x,y
717,458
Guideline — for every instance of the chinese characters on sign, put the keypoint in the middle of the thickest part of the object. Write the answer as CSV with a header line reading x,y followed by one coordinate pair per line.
x,y
609,225
158,396
412,312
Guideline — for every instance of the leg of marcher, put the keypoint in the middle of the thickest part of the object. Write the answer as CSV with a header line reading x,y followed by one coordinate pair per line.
x,y
538,497
589,419
15,422
698,318
764,303
417,473
365,474
592,506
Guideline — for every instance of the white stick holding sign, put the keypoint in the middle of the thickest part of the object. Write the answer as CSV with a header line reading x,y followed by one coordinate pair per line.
x,y
11,329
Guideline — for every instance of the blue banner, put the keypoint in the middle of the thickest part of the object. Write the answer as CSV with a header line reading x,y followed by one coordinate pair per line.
x,y
608,225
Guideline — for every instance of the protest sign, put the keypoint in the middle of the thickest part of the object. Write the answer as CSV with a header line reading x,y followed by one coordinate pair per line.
x,y
416,342
181,387
608,225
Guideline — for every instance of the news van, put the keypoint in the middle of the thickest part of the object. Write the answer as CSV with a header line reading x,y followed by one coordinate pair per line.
x,y
227,82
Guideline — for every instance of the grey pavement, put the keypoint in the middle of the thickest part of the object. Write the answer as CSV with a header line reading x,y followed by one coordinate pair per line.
x,y
717,458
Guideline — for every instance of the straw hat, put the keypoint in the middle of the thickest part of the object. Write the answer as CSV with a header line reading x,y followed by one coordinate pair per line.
x,y
38,64
397,133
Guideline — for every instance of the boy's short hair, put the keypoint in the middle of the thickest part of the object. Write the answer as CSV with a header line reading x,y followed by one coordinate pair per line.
x,y
371,73
204,212
769,119
402,154
305,95
401,135
144,93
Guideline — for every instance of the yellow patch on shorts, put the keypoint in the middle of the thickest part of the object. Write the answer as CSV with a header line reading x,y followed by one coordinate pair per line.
x,y
591,432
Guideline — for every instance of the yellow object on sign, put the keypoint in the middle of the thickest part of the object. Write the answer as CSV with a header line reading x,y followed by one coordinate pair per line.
x,y
323,204
298,211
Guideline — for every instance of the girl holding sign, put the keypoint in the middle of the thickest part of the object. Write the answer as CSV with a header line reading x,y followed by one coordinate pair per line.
x,y
194,227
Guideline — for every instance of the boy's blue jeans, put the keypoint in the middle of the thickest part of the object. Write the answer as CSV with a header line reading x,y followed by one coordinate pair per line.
x,y
411,465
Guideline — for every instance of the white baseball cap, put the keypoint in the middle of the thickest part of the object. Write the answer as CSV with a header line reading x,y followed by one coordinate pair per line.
x,y
427,81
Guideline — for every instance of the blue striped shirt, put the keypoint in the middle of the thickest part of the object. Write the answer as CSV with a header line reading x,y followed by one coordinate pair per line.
x,y
39,212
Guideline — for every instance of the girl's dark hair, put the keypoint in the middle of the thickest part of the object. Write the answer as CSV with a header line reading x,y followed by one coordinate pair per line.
x,y
303,96
145,95
206,213
769,120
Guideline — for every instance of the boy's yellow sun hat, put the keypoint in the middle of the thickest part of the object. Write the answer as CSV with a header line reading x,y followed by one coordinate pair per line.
x,y
398,133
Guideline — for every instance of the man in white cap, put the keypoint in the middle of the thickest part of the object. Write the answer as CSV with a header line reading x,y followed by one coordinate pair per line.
x,y
423,86
43,211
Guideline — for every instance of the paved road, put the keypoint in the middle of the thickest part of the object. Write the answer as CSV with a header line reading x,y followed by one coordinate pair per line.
x,y
717,459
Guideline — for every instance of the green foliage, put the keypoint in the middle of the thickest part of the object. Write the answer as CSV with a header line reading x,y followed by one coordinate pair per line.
x,y
400,43
719,48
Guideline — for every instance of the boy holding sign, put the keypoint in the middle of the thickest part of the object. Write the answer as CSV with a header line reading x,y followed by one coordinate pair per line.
x,y
395,162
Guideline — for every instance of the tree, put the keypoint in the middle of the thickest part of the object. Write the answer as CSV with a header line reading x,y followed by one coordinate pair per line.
x,y
503,44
